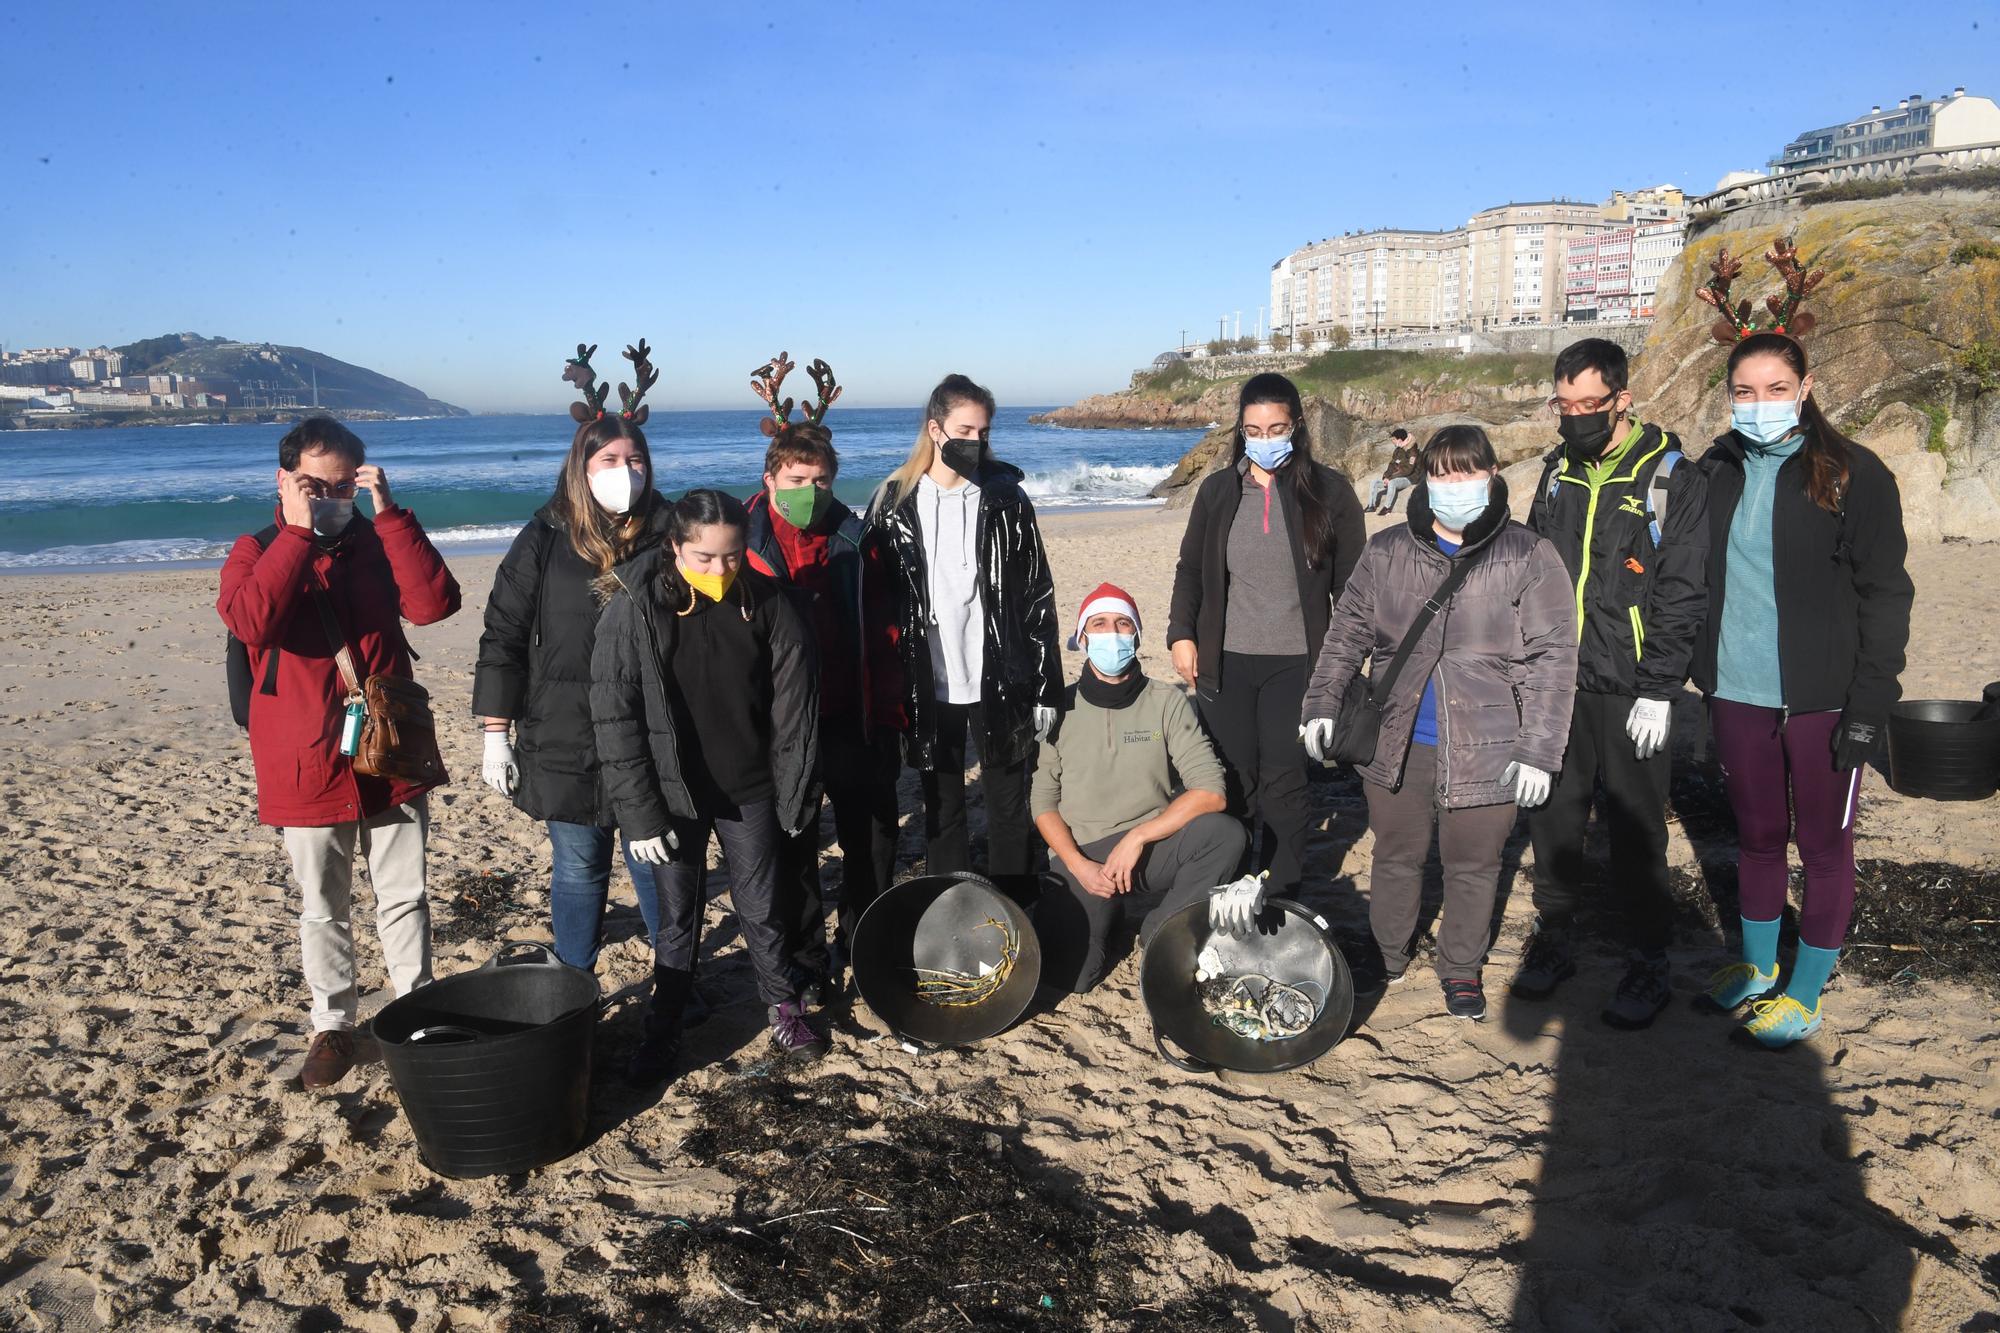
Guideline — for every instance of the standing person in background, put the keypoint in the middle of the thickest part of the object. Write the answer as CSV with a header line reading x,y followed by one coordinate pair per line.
x,y
1398,476
1631,527
1476,721
975,611
322,559
1268,547
533,674
1799,653
706,703
813,544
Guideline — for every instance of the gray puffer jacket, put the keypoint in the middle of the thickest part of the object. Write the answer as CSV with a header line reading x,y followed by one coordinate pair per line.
x,y
1503,651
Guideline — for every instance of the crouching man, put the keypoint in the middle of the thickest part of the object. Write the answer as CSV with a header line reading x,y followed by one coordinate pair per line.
x,y
1103,799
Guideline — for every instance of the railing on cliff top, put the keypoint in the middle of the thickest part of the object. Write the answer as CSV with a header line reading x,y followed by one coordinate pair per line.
x,y
1925,162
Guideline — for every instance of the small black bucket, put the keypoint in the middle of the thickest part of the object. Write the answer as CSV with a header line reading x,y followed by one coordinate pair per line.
x,y
1291,944
1943,750
920,950
493,1066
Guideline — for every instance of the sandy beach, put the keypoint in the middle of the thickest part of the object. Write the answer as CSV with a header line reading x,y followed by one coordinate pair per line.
x,y
161,1169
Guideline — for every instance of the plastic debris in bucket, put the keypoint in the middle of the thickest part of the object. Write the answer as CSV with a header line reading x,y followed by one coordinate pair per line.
x,y
492,1066
1943,750
946,959
1236,1002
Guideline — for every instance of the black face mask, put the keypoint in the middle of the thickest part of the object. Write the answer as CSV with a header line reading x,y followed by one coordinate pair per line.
x,y
962,456
1585,436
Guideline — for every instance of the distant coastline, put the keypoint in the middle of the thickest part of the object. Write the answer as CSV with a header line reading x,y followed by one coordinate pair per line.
x,y
194,416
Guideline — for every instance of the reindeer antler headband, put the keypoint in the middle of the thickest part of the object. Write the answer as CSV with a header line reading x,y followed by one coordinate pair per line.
x,y
1738,322
766,380
577,371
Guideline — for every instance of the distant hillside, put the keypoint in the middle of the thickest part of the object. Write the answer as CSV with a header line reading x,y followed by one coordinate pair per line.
x,y
277,370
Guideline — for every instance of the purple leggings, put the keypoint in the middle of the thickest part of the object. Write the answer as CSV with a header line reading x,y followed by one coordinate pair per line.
x,y
1783,785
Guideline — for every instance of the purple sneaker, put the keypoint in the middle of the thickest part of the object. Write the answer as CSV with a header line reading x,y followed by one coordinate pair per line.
x,y
791,1034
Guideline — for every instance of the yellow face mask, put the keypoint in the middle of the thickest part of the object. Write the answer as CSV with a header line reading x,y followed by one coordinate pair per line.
x,y
712,586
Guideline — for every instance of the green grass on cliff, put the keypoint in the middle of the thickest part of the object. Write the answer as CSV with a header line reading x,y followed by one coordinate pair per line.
x,y
1366,370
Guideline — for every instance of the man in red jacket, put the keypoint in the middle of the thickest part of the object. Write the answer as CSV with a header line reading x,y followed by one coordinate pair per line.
x,y
373,575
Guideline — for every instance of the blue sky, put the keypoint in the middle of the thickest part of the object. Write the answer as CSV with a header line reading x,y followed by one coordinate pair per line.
x,y
1042,196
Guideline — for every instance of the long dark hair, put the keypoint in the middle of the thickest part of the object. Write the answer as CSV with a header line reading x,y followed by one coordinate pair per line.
x,y
1315,520
1825,451
689,514
601,539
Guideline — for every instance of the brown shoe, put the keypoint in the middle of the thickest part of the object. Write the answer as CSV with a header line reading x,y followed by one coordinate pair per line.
x,y
328,1059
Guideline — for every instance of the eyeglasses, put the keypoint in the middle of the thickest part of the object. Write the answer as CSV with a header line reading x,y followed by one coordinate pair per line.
x,y
323,490
1579,407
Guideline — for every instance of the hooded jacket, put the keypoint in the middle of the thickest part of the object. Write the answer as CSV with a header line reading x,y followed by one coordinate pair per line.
x,y
377,574
1022,666
1639,603
635,700
1503,651
534,664
1201,577
1843,593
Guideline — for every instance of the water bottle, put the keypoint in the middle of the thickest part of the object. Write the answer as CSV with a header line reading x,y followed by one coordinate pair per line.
x,y
350,727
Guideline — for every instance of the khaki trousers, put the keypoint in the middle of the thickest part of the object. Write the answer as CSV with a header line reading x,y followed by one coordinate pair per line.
x,y
323,859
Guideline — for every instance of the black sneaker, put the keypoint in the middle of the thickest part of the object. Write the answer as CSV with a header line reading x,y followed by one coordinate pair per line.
x,y
1464,997
653,1062
1641,995
1546,964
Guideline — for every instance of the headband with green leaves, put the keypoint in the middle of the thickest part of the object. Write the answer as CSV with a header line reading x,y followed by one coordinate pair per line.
x,y
577,371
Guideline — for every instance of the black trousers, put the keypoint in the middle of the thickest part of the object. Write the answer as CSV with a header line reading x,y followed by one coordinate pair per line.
x,y
859,776
1254,721
750,840
1008,849
1635,810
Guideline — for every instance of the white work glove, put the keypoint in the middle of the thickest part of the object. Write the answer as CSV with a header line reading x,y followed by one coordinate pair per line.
x,y
1646,724
1233,908
653,851
1045,721
1318,736
499,771
1531,784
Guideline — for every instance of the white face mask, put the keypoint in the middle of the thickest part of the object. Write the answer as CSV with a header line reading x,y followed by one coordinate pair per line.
x,y
616,488
331,517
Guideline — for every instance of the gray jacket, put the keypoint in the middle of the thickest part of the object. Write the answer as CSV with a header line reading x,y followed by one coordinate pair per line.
x,y
1503,651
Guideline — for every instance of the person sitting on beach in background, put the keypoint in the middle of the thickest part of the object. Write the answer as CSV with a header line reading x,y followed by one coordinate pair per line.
x,y
1474,723
278,589
806,539
533,673
1631,526
975,612
1398,476
1800,651
705,699
1124,841
1269,543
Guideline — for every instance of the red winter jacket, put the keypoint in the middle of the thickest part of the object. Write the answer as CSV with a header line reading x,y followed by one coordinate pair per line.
x,y
378,575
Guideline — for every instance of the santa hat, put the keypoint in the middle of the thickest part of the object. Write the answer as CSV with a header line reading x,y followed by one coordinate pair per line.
x,y
1104,597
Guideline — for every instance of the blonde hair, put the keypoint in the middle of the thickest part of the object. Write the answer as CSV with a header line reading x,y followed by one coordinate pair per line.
x,y
951,391
601,539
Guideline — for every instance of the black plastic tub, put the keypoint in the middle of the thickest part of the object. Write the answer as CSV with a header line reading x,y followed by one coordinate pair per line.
x,y
932,925
1291,944
1943,750
492,1066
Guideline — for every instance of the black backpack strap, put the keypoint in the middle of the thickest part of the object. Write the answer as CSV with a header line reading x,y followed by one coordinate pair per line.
x,y
1379,690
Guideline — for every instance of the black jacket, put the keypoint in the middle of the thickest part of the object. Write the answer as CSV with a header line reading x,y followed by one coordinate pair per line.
x,y
1023,656
1843,594
534,666
634,697
1639,605
1201,578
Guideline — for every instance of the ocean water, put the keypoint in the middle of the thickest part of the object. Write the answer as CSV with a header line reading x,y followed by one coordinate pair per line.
x,y
151,495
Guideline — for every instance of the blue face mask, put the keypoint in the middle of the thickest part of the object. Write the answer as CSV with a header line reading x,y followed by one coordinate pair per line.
x,y
1268,454
1112,654
1458,504
1767,423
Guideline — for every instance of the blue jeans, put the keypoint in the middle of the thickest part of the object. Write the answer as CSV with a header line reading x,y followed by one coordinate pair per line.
x,y
1390,486
579,882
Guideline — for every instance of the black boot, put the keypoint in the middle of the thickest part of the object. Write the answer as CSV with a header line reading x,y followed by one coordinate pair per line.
x,y
653,1062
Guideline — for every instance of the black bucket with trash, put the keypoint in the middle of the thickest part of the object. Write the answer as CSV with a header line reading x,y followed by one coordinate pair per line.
x,y
492,1066
1946,749
1274,998
946,960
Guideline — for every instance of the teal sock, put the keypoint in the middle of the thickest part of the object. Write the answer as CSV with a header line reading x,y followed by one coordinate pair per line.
x,y
1809,974
1760,944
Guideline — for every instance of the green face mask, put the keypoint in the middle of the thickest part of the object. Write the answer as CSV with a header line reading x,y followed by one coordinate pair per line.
x,y
800,505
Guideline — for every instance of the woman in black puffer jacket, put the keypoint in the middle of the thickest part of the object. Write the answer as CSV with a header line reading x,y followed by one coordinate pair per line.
x,y
533,673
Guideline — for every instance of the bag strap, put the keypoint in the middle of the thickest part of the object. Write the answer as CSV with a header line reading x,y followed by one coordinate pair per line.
x,y
342,658
1378,691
